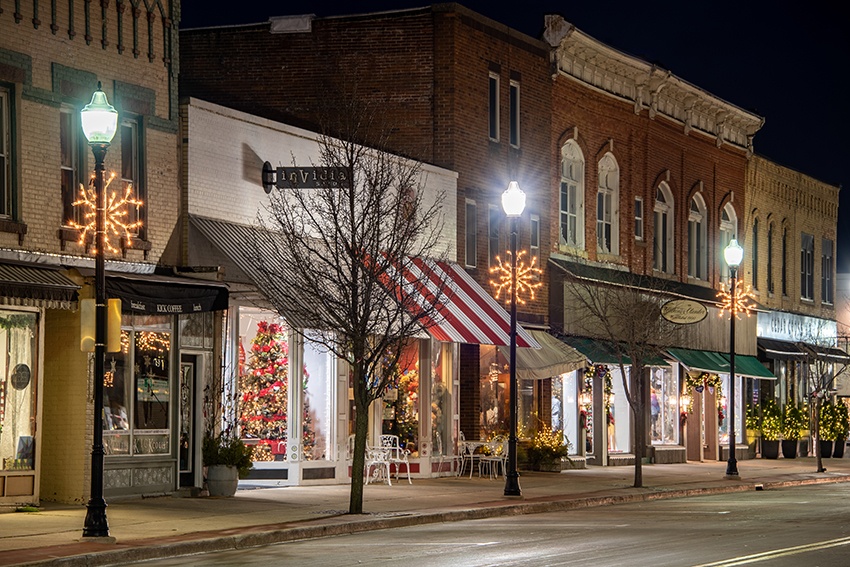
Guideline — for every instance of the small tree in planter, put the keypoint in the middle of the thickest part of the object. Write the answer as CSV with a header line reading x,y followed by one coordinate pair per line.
x,y
228,459
547,450
770,430
827,429
793,424
842,425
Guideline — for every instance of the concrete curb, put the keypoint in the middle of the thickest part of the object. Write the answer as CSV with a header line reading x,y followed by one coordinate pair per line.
x,y
142,550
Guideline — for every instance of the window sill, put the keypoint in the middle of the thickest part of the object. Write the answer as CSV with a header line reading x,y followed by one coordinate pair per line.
x,y
14,227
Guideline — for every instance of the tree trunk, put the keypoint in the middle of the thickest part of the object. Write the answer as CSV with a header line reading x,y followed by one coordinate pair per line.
x,y
816,435
361,432
640,425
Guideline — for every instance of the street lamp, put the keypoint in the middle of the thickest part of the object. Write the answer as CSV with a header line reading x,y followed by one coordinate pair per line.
x,y
513,203
733,253
99,120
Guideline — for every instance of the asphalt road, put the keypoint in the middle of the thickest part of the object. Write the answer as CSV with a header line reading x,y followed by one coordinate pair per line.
x,y
808,526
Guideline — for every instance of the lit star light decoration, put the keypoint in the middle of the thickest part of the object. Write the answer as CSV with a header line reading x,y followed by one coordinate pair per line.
x,y
744,300
525,276
115,217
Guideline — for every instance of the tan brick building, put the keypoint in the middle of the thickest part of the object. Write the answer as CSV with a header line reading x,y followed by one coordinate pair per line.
x,y
51,61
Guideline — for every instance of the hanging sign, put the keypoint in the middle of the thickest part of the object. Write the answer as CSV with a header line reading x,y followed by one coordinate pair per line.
x,y
683,311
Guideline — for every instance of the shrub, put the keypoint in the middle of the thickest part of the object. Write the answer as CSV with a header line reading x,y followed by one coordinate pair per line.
x,y
793,422
218,450
547,445
770,421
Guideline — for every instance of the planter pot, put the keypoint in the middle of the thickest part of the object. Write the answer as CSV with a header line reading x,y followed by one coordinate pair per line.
x,y
825,449
752,435
838,448
222,480
789,448
769,449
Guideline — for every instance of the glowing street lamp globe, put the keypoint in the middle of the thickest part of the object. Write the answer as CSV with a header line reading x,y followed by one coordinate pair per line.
x,y
733,253
513,200
99,119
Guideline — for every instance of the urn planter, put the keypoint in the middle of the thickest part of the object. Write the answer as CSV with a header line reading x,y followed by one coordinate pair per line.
x,y
222,480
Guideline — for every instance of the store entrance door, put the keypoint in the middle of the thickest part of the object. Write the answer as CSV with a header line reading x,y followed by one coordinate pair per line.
x,y
187,440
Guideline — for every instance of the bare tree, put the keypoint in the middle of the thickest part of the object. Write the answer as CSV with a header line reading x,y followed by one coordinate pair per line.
x,y
346,262
627,314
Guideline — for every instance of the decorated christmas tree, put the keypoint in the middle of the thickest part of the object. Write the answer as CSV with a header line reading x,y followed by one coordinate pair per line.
x,y
263,387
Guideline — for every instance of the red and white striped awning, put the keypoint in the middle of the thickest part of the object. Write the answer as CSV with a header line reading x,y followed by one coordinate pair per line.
x,y
467,313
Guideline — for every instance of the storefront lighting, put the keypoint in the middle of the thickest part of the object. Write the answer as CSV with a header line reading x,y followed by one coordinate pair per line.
x,y
513,202
585,398
684,401
99,120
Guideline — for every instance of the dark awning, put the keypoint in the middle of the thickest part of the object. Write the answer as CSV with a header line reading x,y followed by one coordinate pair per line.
x,y
600,351
718,363
38,286
153,294
780,350
827,353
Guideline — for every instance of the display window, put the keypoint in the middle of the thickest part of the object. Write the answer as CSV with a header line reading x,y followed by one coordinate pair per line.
x,y
137,389
18,335
400,414
723,410
565,408
619,413
586,412
441,397
494,417
317,402
664,406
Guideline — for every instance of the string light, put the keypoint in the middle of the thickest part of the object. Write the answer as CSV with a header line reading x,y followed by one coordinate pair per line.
x,y
744,300
115,217
525,276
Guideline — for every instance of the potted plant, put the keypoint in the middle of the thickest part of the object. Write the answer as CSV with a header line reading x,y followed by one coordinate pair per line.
x,y
548,450
793,423
752,423
842,425
770,430
227,460
827,429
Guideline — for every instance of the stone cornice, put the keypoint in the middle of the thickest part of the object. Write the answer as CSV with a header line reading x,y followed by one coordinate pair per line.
x,y
647,86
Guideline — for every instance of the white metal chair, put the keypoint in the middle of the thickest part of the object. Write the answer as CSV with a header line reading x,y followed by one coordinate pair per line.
x,y
377,465
468,456
496,458
396,455
443,457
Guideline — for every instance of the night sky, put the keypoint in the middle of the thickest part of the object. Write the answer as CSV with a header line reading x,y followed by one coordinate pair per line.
x,y
785,61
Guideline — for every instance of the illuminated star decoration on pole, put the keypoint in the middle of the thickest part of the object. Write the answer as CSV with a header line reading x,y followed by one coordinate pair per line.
x,y
115,215
525,275
742,301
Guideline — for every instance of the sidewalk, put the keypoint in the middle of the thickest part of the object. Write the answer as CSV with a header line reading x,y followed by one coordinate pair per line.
x,y
262,513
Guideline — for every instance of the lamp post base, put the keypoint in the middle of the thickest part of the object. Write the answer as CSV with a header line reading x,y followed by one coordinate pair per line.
x,y
512,488
732,469
96,525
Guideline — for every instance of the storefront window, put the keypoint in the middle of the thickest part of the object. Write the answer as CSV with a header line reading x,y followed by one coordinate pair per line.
x,y
317,402
17,389
263,382
723,410
494,391
586,409
619,422
137,389
401,401
664,406
564,408
528,415
441,397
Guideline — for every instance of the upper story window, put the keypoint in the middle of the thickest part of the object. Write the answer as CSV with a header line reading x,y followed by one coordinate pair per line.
x,y
826,273
132,170
755,254
697,225
728,231
5,152
494,107
471,234
534,241
638,218
572,196
770,258
608,206
72,164
785,261
662,257
514,109
494,242
807,266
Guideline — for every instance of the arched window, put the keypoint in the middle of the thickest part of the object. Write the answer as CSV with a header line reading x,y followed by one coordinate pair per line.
x,y
608,206
663,234
572,196
697,256
755,254
728,231
770,258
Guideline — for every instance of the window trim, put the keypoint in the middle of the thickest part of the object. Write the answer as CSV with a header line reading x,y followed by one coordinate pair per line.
x,y
697,238
493,116
770,281
827,271
728,232
663,258
494,233
139,187
610,194
471,235
755,254
639,218
534,242
513,118
571,154
78,164
807,268
7,145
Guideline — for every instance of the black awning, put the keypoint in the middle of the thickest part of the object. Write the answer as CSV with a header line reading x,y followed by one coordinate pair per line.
x,y
827,353
25,284
165,296
780,350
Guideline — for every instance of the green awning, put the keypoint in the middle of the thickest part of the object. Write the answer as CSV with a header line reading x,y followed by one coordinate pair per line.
x,y
599,351
718,363
750,367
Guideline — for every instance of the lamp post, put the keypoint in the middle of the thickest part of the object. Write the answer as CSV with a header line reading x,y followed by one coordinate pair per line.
x,y
99,121
733,253
513,203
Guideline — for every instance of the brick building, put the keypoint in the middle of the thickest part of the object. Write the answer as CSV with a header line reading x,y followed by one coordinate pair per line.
x,y
51,61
